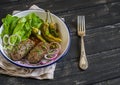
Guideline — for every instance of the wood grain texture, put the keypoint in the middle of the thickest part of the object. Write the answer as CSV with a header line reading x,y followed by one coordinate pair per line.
x,y
102,42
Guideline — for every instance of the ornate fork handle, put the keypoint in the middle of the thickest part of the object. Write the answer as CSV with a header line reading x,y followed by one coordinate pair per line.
x,y
83,60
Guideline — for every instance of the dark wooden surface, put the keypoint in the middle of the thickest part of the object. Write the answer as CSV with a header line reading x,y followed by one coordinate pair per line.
x,y
102,41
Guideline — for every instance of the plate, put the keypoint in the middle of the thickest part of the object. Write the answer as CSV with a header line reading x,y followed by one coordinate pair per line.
x,y
64,34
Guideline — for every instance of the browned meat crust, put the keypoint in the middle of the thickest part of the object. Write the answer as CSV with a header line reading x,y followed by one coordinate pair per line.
x,y
37,53
22,49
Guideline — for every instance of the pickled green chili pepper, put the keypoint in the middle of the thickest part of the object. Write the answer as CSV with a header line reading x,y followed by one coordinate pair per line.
x,y
47,35
53,27
37,33
45,31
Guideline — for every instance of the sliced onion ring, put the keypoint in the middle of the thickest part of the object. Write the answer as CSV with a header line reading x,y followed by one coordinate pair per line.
x,y
50,58
4,39
58,45
54,50
15,35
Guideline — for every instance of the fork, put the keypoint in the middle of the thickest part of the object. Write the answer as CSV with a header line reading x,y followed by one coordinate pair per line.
x,y
83,64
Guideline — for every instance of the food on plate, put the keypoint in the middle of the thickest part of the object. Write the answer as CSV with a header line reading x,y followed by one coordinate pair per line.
x,y
37,33
37,53
46,34
49,30
22,49
53,26
21,27
31,38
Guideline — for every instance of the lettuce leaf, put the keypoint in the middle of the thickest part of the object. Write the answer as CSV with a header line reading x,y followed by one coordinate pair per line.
x,y
9,22
34,20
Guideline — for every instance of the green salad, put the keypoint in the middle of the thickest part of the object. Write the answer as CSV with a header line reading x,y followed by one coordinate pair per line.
x,y
17,29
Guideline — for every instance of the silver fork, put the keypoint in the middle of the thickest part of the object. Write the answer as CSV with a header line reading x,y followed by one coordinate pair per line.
x,y
81,32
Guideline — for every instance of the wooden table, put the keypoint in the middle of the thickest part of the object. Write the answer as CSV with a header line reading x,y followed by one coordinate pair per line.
x,y
102,41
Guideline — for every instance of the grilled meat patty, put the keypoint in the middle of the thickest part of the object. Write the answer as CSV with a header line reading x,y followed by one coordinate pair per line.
x,y
22,49
37,53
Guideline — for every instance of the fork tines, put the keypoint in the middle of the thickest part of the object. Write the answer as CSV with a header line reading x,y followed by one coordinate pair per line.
x,y
81,24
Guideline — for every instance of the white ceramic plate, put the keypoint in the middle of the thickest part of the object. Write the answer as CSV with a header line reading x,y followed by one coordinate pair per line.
x,y
64,33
